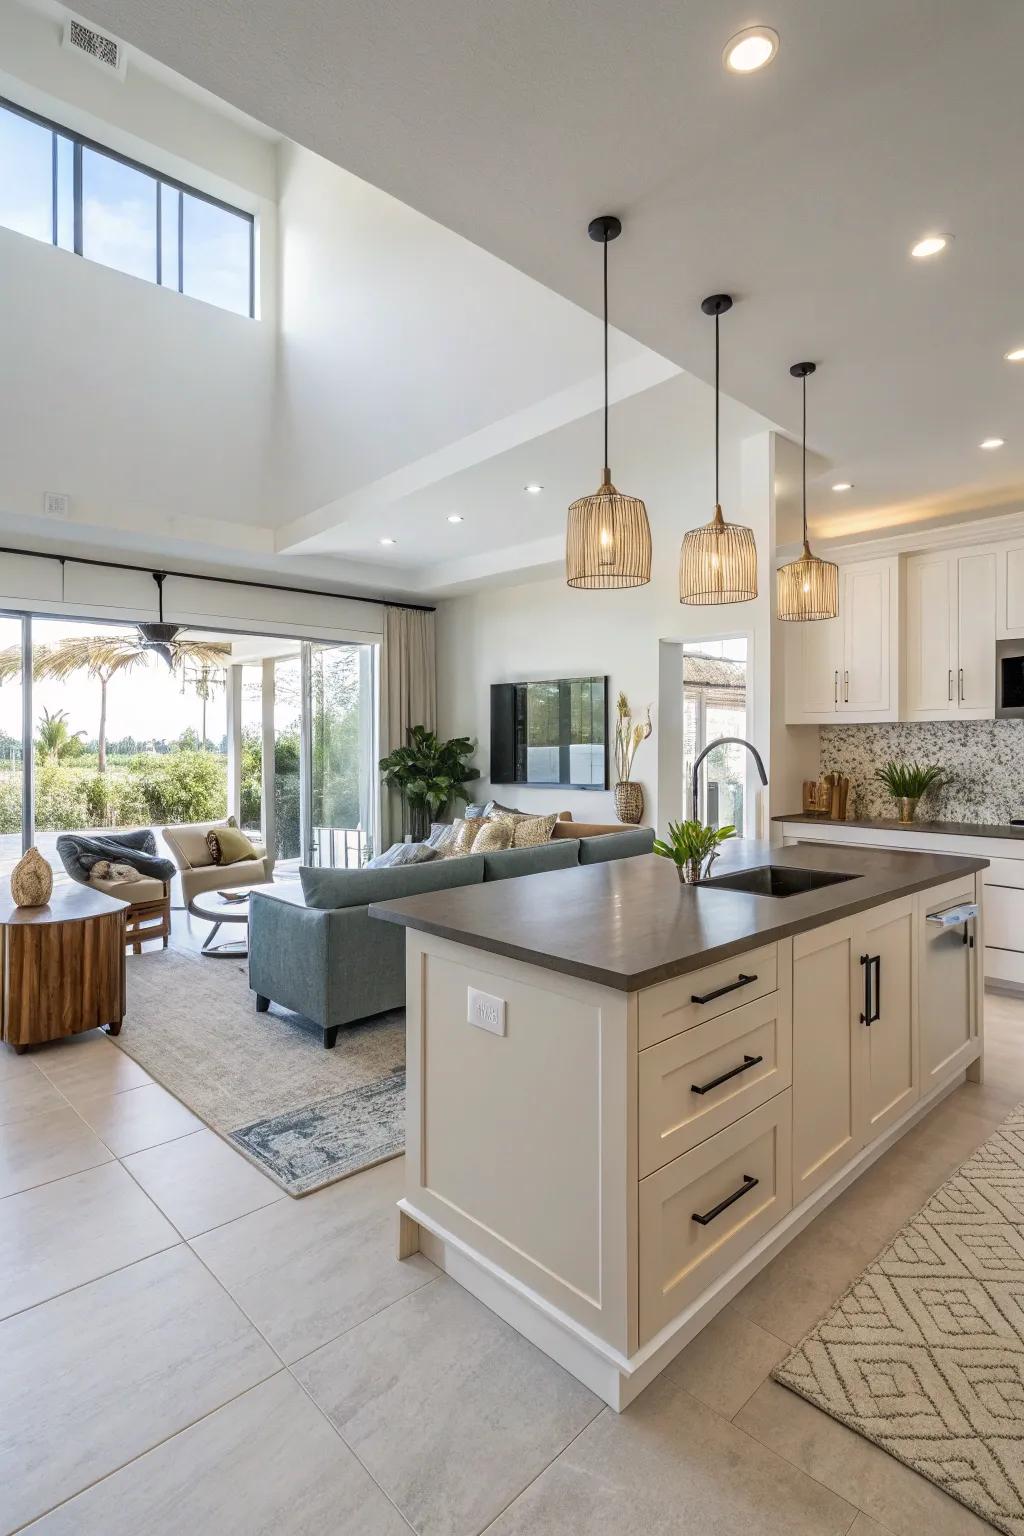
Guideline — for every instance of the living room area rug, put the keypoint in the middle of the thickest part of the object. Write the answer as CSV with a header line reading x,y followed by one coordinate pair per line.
x,y
263,1081
924,1354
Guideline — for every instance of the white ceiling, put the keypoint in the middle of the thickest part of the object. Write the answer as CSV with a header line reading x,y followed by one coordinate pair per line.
x,y
799,189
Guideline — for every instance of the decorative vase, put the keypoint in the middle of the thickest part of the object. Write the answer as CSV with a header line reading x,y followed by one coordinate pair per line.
x,y
629,802
689,871
31,880
908,806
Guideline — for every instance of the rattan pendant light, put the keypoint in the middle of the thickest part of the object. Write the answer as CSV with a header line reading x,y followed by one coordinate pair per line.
x,y
808,588
718,562
608,538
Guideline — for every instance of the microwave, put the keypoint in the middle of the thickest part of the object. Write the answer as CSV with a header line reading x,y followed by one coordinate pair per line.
x,y
1010,680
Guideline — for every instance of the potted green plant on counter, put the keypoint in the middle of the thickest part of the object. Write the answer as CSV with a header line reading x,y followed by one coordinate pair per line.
x,y
693,848
907,782
429,774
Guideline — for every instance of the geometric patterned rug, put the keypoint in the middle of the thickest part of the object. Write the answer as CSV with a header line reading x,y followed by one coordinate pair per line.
x,y
924,1354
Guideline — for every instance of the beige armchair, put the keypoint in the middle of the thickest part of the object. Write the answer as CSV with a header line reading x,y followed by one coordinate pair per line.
x,y
191,853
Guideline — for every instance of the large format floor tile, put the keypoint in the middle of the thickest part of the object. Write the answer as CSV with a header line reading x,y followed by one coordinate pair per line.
x,y
89,1064
306,1270
267,1462
902,1501
450,1409
667,1466
28,1093
64,1234
99,1375
137,1118
200,1182
727,1362
47,1146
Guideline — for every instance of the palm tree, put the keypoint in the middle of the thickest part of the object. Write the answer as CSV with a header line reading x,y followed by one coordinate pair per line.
x,y
103,657
56,742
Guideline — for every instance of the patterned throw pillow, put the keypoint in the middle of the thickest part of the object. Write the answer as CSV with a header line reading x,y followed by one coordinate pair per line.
x,y
530,831
229,846
441,834
494,835
464,834
403,853
474,813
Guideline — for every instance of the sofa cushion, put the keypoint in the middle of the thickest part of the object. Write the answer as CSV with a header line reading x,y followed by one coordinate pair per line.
x,y
142,888
616,845
329,889
228,845
494,835
531,861
188,843
464,834
400,854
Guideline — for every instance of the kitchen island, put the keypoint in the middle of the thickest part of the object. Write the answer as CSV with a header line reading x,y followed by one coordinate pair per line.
x,y
626,1095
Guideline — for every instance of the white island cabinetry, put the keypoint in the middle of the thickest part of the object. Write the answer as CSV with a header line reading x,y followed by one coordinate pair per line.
x,y
607,1167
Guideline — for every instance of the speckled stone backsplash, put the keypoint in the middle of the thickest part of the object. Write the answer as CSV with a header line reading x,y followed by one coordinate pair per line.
x,y
984,760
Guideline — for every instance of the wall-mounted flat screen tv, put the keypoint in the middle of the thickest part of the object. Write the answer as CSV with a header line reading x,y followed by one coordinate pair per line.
x,y
552,732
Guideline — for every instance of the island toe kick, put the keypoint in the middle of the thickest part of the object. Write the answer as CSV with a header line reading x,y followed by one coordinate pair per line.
x,y
607,1169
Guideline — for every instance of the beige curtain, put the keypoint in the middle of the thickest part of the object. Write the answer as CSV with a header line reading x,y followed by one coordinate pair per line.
x,y
408,696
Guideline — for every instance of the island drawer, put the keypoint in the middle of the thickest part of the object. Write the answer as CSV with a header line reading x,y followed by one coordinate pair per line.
x,y
700,1081
672,1006
703,1211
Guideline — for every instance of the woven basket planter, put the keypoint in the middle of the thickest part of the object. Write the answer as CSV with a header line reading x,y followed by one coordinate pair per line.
x,y
629,803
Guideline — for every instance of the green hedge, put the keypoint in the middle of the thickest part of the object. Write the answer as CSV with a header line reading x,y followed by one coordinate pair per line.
x,y
150,790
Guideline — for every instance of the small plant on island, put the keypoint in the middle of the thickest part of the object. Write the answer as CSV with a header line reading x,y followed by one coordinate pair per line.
x,y
907,782
692,847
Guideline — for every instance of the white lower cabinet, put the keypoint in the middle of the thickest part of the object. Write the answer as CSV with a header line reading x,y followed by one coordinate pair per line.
x,y
700,1213
854,1064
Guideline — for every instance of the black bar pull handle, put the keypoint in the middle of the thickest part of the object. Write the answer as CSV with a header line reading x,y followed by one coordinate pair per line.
x,y
876,990
709,997
723,1205
865,1017
716,1082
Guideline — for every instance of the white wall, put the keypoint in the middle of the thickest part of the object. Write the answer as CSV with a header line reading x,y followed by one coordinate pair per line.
x,y
543,629
150,409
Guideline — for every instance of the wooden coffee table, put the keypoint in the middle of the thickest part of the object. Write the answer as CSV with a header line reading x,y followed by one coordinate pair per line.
x,y
213,908
61,965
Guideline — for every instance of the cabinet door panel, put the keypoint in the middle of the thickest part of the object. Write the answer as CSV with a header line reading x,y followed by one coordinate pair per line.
x,y
891,1082
826,1088
930,638
1013,596
813,654
865,606
976,635
947,988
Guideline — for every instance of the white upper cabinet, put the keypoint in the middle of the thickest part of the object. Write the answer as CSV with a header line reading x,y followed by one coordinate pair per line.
x,y
949,636
845,670
1010,592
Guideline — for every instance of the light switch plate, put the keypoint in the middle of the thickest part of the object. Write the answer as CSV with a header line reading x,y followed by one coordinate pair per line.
x,y
485,1011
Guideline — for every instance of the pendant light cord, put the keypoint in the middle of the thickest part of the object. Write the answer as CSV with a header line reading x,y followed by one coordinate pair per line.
x,y
717,498
805,460
606,352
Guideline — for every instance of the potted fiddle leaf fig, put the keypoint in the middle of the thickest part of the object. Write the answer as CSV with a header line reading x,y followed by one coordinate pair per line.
x,y
429,774
693,848
907,782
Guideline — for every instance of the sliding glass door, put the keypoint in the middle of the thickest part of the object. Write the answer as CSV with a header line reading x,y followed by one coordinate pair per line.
x,y
12,753
341,783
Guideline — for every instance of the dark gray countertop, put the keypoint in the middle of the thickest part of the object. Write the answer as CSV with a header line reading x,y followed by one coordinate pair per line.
x,y
629,923
883,824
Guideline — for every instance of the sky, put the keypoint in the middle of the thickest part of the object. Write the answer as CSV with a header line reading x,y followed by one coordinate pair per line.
x,y
119,216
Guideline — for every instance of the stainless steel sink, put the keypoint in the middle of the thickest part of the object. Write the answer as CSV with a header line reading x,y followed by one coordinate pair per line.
x,y
776,880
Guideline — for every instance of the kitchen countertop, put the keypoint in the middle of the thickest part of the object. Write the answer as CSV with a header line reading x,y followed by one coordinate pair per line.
x,y
884,824
629,923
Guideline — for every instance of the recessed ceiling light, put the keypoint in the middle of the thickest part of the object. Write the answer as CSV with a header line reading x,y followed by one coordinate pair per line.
x,y
751,49
843,485
992,442
387,541
1016,355
454,517
533,489
930,245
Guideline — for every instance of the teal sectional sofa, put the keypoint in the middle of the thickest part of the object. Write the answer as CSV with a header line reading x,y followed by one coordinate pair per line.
x,y
314,948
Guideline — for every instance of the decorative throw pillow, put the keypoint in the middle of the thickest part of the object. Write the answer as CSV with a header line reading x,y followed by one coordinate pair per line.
x,y
441,833
106,869
493,808
474,813
402,853
494,835
229,846
464,834
530,831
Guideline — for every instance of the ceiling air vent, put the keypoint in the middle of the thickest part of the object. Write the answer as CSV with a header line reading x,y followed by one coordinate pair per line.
x,y
97,46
